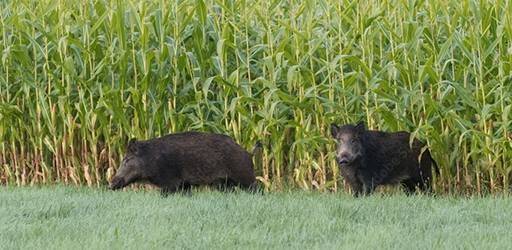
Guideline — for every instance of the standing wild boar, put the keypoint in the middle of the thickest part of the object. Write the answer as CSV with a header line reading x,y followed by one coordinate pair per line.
x,y
179,161
368,159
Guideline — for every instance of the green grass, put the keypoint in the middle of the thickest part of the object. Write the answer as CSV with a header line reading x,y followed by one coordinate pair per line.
x,y
79,78
76,218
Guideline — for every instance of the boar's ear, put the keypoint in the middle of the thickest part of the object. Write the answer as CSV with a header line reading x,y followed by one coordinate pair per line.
x,y
334,130
360,127
132,146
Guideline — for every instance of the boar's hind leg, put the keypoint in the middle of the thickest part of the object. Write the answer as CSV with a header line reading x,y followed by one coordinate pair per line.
x,y
226,185
230,184
246,181
252,187
410,185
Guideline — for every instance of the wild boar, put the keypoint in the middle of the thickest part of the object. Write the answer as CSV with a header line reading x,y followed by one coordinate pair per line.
x,y
176,162
368,159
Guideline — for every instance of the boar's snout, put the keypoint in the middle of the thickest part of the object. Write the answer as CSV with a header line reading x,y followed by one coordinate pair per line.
x,y
343,159
117,183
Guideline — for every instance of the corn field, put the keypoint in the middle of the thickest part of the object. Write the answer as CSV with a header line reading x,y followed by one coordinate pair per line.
x,y
78,79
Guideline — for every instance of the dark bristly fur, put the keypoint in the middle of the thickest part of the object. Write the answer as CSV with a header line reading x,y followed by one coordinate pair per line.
x,y
179,161
368,159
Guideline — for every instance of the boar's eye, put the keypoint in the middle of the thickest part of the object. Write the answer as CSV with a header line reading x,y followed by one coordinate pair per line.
x,y
353,140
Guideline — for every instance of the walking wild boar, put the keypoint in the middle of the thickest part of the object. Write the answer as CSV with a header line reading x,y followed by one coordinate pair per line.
x,y
368,159
179,161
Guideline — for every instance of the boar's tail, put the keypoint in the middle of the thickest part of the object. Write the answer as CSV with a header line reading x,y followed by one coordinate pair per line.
x,y
257,154
258,147
436,168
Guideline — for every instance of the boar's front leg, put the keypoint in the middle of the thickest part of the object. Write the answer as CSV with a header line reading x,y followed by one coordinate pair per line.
x,y
357,190
356,187
366,184
350,177
368,188
184,188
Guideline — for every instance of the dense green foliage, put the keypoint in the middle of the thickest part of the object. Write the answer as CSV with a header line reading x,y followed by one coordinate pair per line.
x,y
72,218
79,78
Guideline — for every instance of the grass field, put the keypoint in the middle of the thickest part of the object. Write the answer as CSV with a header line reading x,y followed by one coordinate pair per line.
x,y
76,218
